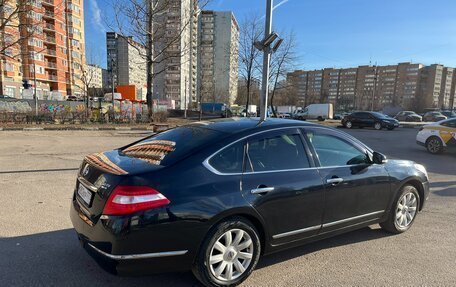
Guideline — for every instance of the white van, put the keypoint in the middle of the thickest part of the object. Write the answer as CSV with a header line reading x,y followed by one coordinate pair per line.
x,y
319,112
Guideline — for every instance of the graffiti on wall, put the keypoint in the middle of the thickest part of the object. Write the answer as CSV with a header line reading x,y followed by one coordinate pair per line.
x,y
15,107
59,108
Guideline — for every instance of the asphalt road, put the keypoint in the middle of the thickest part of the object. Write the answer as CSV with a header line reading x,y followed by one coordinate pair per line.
x,y
39,248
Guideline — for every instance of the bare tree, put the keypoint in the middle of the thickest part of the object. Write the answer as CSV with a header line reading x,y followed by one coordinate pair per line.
x,y
149,23
251,30
282,62
88,75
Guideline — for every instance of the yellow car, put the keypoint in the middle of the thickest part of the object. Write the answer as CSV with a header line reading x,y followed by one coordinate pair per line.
x,y
439,136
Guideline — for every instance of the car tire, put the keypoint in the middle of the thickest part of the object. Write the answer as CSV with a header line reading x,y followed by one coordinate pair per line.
x,y
391,128
241,266
434,145
320,119
403,212
378,126
348,124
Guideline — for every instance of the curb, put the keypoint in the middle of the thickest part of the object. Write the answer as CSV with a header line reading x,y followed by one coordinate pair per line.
x,y
33,129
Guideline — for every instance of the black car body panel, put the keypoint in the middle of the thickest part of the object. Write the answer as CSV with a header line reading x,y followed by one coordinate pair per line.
x,y
369,119
302,207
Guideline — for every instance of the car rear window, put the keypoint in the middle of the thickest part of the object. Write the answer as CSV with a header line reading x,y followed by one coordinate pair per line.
x,y
170,146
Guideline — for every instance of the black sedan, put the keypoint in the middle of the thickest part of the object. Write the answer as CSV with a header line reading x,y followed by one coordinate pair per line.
x,y
369,119
212,197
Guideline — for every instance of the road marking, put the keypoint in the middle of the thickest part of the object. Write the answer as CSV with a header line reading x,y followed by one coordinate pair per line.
x,y
39,170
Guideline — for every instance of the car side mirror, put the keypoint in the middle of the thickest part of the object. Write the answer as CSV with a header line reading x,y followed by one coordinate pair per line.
x,y
378,158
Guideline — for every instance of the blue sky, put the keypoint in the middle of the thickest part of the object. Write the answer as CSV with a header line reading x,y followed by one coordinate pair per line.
x,y
336,33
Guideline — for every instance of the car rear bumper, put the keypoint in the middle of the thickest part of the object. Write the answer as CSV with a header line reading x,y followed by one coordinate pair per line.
x,y
121,247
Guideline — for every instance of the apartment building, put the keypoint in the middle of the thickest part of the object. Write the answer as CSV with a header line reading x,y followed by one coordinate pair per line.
x,y
408,85
126,61
346,88
372,87
94,76
46,44
218,56
175,69
297,80
446,90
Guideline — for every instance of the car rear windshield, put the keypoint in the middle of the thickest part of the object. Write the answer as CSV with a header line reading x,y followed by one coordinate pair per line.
x,y
170,146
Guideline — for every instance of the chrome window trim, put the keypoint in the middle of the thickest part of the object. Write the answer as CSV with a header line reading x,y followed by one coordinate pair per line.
x,y
215,171
207,165
138,256
329,224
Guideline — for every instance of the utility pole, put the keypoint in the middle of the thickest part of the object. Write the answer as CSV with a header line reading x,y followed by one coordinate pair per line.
x,y
266,59
185,99
374,87
34,88
150,58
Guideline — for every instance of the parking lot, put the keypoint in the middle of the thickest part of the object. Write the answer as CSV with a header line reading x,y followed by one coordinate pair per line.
x,y
39,248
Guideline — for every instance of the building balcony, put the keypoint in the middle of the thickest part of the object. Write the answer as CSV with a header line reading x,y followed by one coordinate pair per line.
x,y
52,78
49,27
51,65
47,2
49,52
49,14
49,40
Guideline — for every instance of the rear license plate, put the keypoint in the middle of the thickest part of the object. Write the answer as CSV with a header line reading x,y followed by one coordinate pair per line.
x,y
85,194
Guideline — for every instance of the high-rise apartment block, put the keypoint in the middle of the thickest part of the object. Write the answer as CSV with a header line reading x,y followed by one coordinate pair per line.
x,y
44,41
126,62
408,85
94,76
218,55
175,46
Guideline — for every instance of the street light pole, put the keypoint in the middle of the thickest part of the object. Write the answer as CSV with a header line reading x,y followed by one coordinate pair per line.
x,y
185,99
266,59
34,89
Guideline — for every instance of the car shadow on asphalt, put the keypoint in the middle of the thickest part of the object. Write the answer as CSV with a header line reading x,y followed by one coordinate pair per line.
x,y
57,259
360,235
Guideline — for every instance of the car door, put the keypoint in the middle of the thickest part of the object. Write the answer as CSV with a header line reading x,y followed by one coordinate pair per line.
x,y
369,120
281,182
356,119
448,133
356,190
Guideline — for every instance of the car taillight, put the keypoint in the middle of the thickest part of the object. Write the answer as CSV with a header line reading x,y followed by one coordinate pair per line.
x,y
129,199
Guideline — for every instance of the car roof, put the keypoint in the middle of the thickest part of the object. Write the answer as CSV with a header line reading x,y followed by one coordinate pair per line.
x,y
236,125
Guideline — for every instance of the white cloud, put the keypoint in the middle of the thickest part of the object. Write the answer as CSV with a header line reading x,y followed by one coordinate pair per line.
x,y
96,20
275,7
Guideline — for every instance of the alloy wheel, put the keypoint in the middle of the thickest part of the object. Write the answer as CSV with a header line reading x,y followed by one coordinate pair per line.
x,y
378,126
231,255
406,210
349,125
434,145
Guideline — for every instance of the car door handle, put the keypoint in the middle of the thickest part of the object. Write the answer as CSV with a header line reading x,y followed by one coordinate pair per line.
x,y
261,190
334,181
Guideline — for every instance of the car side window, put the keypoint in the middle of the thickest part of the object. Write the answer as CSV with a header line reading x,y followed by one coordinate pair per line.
x,y
277,152
230,159
334,151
